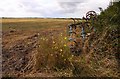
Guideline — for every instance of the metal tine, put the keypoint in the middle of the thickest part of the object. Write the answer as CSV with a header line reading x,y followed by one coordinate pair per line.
x,y
82,25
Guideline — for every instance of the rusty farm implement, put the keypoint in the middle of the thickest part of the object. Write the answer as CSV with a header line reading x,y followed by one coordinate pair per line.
x,y
79,30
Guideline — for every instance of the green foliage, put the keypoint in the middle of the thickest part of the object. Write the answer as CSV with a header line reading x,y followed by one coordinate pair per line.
x,y
104,57
110,16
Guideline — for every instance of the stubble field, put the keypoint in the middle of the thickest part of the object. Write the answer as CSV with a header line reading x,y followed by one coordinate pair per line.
x,y
35,46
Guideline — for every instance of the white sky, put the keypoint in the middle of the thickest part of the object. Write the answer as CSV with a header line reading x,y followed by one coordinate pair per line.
x,y
49,8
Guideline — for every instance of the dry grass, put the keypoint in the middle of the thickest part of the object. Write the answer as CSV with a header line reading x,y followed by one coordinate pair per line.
x,y
31,20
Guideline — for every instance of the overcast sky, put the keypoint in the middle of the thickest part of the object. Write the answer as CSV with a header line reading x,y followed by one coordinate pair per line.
x,y
49,8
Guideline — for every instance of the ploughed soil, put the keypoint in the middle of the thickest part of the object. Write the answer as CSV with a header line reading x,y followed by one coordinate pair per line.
x,y
18,49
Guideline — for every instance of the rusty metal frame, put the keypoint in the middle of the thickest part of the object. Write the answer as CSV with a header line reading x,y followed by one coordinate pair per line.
x,y
78,24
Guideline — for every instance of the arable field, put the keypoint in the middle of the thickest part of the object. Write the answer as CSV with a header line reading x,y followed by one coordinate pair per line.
x,y
34,47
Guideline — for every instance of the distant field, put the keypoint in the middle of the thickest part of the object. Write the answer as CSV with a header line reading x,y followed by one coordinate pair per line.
x,y
31,19
33,24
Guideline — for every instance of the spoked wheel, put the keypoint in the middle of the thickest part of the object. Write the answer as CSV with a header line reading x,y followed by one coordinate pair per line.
x,y
91,14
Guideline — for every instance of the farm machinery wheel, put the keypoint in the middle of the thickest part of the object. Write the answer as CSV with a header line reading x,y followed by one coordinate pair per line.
x,y
90,15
